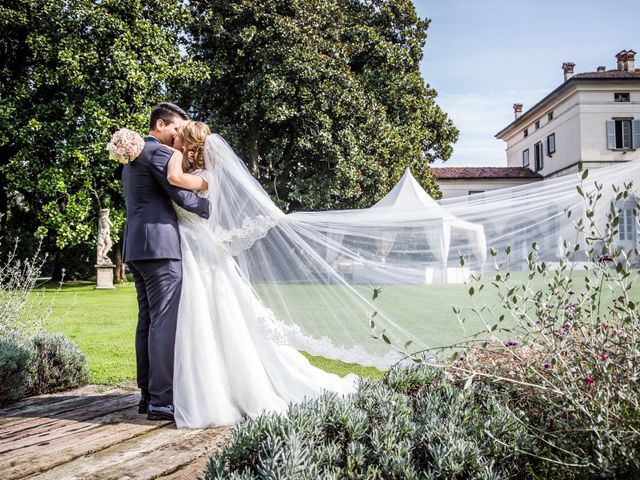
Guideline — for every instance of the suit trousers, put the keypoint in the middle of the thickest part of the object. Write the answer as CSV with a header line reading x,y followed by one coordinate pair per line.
x,y
158,283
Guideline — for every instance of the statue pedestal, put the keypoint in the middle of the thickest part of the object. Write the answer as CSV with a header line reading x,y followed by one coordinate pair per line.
x,y
104,277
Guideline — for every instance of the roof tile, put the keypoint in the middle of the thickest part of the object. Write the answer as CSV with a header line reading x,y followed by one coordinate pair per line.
x,y
456,173
609,74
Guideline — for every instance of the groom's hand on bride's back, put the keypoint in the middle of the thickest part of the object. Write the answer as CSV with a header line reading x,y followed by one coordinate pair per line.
x,y
184,198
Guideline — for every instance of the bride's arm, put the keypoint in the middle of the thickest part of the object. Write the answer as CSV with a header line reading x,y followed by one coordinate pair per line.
x,y
178,178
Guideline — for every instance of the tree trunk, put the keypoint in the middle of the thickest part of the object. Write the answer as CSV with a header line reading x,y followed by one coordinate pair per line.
x,y
3,206
58,267
119,274
252,153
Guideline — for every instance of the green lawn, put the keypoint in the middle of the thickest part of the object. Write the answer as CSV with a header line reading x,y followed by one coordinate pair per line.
x,y
102,322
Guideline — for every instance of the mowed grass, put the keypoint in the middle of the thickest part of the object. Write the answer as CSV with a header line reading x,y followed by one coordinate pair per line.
x,y
103,322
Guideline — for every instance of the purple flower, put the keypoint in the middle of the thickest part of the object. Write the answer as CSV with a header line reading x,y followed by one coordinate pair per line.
x,y
603,356
589,380
546,366
564,328
510,343
605,258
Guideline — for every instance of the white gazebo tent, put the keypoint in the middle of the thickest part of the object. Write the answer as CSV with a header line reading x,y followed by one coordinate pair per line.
x,y
409,199
407,211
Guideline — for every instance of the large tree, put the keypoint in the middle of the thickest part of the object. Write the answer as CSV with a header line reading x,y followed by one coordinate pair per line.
x,y
323,99
72,72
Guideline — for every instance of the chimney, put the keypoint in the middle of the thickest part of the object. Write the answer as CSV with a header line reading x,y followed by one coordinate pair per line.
x,y
517,110
621,56
567,68
602,69
626,60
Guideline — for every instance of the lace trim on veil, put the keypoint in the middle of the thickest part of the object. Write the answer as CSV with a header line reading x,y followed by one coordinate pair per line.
x,y
253,229
279,332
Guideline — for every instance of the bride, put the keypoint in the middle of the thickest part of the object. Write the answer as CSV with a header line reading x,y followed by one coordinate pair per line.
x,y
227,365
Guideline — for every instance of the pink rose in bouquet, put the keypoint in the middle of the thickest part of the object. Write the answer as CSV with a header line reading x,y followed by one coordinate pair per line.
x,y
125,145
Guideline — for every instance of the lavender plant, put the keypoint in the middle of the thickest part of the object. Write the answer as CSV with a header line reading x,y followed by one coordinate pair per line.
x,y
32,361
22,310
412,424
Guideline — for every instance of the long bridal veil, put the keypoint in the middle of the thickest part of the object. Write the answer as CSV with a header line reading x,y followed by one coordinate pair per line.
x,y
315,272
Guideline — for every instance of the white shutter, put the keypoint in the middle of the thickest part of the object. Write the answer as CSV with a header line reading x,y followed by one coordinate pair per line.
x,y
635,132
611,134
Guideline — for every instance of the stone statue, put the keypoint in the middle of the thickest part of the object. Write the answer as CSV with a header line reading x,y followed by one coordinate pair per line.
x,y
104,238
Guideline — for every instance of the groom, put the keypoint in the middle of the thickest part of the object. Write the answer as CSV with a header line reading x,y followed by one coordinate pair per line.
x,y
152,253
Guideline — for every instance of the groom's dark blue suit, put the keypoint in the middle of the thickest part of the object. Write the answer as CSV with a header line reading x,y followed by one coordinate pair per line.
x,y
152,252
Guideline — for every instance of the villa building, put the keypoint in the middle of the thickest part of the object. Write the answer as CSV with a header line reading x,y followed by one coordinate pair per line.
x,y
592,117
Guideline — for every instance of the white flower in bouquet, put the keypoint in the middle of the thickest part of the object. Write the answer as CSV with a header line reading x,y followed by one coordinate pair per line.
x,y
125,145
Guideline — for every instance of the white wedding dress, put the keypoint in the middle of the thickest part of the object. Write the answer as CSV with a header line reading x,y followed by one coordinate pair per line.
x,y
226,368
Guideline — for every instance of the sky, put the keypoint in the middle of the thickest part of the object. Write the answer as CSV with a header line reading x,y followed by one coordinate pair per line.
x,y
483,56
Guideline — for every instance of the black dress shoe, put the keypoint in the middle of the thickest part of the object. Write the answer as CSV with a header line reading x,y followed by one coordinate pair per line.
x,y
143,405
160,412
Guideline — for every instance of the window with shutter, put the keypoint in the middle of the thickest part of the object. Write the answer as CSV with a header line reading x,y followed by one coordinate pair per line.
x,y
626,227
537,152
623,134
629,226
635,132
551,144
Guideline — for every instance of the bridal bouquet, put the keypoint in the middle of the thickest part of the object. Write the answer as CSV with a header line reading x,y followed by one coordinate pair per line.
x,y
125,145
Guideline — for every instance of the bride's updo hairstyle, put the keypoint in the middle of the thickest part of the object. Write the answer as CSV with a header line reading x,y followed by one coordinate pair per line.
x,y
192,136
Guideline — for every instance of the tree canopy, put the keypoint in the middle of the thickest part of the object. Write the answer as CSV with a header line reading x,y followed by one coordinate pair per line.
x,y
72,73
323,99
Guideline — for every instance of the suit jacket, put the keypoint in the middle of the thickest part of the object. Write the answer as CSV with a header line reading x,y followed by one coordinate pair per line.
x,y
151,231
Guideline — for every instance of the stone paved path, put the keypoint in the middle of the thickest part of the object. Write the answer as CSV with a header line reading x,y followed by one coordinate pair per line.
x,y
92,434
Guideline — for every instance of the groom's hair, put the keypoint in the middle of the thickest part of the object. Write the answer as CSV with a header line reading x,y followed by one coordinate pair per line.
x,y
166,112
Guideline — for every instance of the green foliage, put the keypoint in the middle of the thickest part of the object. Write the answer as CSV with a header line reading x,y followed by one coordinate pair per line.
x,y
40,363
572,361
57,363
15,361
22,311
72,73
324,100
412,424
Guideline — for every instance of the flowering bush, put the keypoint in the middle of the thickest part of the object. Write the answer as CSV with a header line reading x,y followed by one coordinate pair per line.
x,y
31,361
15,372
22,310
566,355
125,145
572,360
57,364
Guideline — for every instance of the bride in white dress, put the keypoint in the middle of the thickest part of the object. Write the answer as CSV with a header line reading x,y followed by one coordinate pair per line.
x,y
226,368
